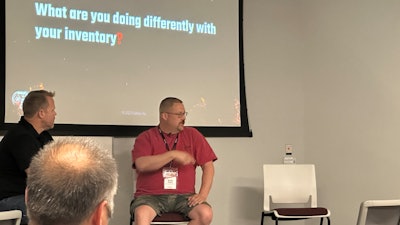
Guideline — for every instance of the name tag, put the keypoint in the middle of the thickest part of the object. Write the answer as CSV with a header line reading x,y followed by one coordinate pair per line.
x,y
170,175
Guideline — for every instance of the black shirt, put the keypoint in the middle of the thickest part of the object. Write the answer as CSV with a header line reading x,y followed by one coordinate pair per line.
x,y
17,148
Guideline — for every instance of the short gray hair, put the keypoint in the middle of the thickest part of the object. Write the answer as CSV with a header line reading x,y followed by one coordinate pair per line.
x,y
167,103
68,179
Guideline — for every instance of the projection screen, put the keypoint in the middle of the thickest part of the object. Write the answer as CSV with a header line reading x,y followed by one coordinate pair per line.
x,y
110,63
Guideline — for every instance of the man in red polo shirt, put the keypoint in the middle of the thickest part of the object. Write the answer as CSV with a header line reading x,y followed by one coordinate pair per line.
x,y
165,158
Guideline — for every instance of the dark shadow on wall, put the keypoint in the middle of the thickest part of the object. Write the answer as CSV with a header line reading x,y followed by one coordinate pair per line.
x,y
246,202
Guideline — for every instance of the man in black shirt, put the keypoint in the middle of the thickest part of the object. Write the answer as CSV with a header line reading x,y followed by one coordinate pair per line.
x,y
20,144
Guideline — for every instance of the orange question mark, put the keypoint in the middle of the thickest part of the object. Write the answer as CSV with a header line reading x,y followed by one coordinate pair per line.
x,y
119,37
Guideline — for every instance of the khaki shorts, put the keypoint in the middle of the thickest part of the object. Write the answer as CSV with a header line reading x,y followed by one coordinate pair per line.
x,y
164,203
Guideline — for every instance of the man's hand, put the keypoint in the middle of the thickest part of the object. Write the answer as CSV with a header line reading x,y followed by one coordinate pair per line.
x,y
183,158
196,199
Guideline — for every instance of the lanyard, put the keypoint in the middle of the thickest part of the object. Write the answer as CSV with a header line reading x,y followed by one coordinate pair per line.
x,y
166,143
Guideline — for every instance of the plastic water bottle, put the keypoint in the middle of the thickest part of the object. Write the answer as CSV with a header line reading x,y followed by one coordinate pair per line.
x,y
289,159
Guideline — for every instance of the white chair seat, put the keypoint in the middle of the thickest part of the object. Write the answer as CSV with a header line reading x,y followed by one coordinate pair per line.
x,y
12,217
289,185
379,212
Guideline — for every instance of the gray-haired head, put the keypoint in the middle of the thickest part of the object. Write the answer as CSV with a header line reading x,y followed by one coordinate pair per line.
x,y
68,179
167,103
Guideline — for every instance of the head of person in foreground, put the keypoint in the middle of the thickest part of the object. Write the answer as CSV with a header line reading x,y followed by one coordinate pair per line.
x,y
71,181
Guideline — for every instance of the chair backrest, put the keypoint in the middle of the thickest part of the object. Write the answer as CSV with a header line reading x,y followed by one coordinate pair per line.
x,y
379,212
289,183
12,217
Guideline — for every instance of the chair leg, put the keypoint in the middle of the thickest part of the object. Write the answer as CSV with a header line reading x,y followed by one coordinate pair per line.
x,y
262,218
322,221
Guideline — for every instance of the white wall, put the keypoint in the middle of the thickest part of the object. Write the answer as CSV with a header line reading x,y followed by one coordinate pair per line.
x,y
340,61
352,105
323,76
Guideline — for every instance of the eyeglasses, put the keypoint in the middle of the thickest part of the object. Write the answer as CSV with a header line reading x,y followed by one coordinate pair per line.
x,y
181,114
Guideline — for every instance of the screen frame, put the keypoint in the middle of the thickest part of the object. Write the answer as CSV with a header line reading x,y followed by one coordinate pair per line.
x,y
133,131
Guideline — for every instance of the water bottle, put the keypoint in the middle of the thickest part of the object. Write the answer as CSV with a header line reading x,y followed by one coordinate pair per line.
x,y
289,158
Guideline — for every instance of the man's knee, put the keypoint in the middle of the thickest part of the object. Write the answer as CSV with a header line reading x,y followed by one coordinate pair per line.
x,y
202,213
144,211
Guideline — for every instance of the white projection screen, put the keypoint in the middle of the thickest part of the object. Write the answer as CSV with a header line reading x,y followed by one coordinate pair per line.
x,y
111,63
